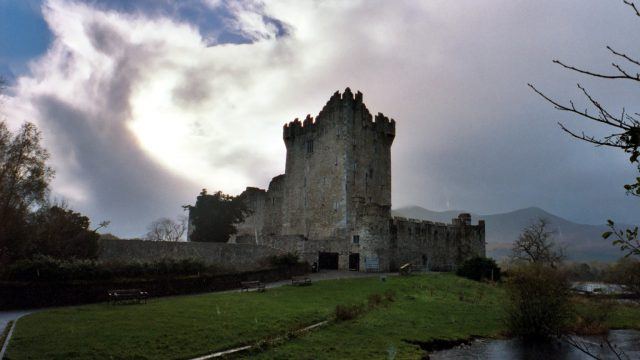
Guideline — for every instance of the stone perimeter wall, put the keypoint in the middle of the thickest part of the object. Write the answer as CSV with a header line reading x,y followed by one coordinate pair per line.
x,y
436,246
240,257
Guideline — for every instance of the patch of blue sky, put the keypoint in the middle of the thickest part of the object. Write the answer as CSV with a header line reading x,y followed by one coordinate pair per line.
x,y
24,34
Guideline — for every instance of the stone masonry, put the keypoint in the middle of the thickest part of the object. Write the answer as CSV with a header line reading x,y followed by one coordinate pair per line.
x,y
333,203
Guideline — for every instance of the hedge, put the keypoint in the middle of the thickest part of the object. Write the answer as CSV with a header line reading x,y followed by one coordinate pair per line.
x,y
33,294
44,268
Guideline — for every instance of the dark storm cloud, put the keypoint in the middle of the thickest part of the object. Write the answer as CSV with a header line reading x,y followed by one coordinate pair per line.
x,y
126,186
193,89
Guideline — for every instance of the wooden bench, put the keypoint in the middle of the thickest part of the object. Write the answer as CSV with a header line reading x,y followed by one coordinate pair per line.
x,y
123,295
300,281
405,269
248,285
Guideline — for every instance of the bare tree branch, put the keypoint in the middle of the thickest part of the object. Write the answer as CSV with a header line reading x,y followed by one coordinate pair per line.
x,y
633,6
583,347
624,56
598,75
629,137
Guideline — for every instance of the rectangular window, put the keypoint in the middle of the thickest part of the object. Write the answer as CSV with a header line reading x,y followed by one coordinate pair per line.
x,y
309,146
356,239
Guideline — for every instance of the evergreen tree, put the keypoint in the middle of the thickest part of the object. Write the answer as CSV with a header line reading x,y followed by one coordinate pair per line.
x,y
214,217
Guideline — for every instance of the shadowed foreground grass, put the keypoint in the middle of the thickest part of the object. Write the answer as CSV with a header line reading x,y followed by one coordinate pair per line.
x,y
397,331
426,307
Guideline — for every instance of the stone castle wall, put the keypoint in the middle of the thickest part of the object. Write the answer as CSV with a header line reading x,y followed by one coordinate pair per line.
x,y
332,203
437,246
335,197
241,257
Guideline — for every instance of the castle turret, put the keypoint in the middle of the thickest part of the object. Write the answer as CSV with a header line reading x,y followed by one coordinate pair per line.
x,y
338,177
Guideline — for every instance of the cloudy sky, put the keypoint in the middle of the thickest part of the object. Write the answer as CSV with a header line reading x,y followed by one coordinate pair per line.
x,y
143,103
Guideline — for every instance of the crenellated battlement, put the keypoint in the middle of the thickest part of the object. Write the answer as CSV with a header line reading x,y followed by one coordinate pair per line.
x,y
333,113
463,219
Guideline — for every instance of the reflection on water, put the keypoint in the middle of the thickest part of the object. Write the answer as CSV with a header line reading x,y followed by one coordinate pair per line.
x,y
626,340
597,288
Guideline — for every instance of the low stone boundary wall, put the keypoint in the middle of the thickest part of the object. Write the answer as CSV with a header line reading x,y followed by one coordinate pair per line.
x,y
240,257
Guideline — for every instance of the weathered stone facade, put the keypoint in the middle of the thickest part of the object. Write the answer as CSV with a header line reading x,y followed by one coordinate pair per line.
x,y
333,204
436,246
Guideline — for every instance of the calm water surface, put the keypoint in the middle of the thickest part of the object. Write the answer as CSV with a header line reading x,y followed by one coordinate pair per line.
x,y
626,340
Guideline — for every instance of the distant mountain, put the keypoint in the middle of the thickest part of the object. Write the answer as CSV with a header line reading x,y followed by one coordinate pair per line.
x,y
583,242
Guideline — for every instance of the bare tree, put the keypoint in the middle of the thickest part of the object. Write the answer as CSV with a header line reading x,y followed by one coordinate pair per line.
x,y
165,229
536,245
624,125
595,350
103,225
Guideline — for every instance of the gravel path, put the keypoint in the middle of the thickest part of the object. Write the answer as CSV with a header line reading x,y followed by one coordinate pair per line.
x,y
330,275
5,317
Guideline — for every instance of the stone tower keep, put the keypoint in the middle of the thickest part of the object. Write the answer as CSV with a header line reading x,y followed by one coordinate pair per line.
x,y
338,177
333,203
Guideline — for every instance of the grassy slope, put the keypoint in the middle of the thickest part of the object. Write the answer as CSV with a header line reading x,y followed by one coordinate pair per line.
x,y
423,317
426,307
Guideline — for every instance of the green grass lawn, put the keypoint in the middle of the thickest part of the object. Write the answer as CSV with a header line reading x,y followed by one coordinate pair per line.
x,y
426,307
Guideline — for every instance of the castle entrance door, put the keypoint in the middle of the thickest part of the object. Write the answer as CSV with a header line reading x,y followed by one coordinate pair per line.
x,y
354,262
328,261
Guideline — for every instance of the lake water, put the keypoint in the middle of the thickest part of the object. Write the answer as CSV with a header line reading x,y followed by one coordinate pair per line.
x,y
596,287
626,340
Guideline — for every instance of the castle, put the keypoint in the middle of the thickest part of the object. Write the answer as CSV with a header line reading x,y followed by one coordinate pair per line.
x,y
332,205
